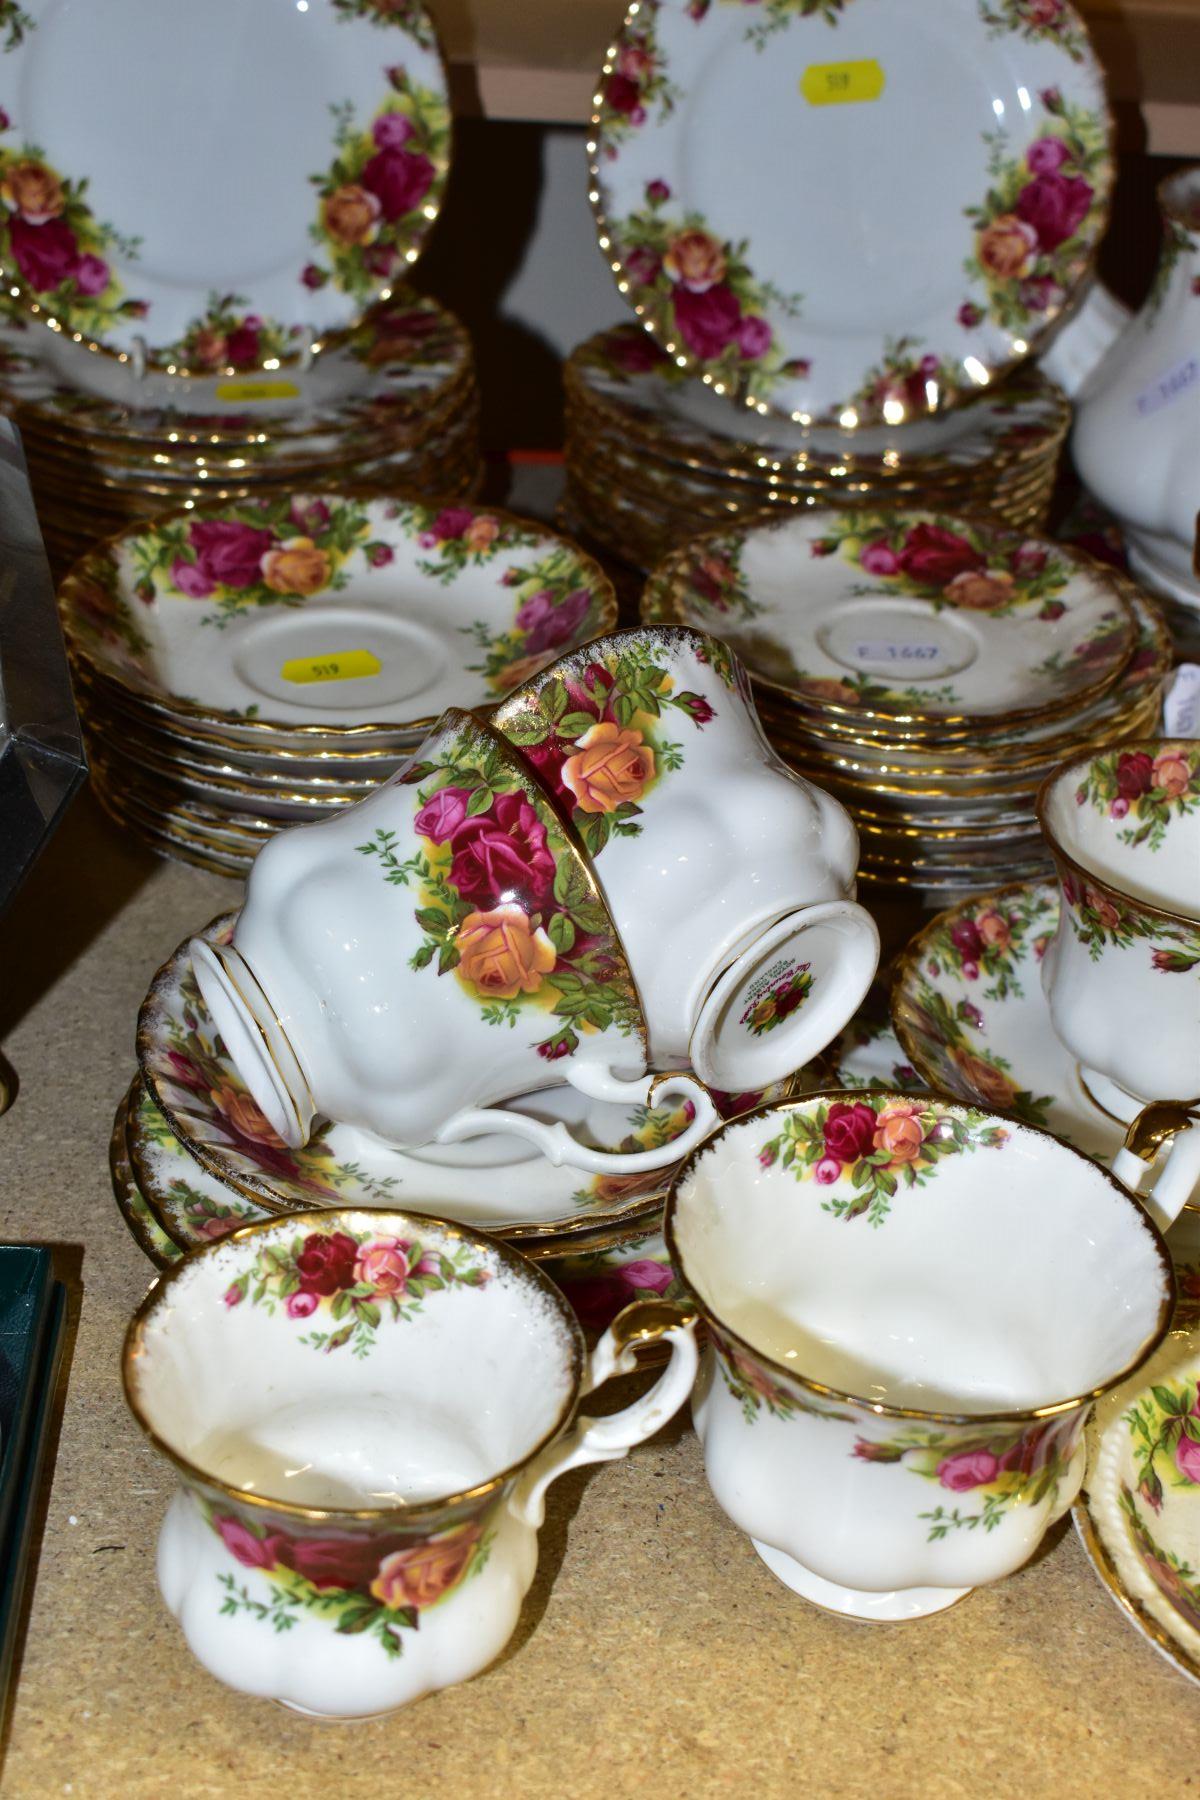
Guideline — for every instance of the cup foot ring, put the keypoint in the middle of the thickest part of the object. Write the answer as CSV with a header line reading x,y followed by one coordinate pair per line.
x,y
858,1603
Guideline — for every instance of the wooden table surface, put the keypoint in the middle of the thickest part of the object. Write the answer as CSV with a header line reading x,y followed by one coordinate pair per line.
x,y
655,1652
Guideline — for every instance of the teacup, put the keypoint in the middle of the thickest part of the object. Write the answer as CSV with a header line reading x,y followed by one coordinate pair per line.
x,y
365,1410
436,949
1122,975
730,878
911,1307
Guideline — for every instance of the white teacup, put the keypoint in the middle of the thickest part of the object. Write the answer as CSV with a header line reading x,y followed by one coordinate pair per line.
x,y
1122,974
365,1410
730,878
437,949
911,1307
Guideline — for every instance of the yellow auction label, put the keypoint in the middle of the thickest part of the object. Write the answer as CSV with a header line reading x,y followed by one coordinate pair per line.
x,y
842,83
241,391
343,665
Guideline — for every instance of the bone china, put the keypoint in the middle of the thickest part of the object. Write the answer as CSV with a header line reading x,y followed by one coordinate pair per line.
x,y
365,1411
278,207
1122,975
815,296
730,879
896,1384
434,950
1139,1512
1137,434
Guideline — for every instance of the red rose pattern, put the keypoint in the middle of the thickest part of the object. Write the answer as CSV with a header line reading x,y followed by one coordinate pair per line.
x,y
326,1263
501,853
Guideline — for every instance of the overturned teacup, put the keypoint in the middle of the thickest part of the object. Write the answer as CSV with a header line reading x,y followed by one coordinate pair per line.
x,y
414,961
365,1410
1122,974
730,878
911,1307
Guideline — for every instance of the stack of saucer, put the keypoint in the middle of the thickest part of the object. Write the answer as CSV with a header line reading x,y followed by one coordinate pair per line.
x,y
927,670
247,666
391,404
653,455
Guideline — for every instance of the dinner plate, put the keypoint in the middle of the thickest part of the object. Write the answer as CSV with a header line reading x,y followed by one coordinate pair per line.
x,y
912,615
331,609
847,210
213,184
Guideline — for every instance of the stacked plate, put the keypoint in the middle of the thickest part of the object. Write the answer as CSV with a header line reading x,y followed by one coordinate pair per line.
x,y
238,325
393,404
244,667
816,308
653,455
928,670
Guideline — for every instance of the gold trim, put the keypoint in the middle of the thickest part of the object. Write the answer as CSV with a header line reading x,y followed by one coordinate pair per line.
x,y
106,549
185,778
176,435
1151,745
116,712
951,397
1053,1409
645,1322
887,764
160,1296
1157,1124
220,951
122,1178
1138,1615
613,453
603,414
166,844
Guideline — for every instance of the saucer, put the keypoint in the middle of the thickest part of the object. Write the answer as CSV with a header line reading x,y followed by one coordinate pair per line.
x,y
970,1013
1139,1512
915,617
136,1211
331,609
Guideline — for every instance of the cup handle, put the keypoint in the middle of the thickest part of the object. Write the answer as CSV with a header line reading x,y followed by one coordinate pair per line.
x,y
558,1144
607,1439
1163,1122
